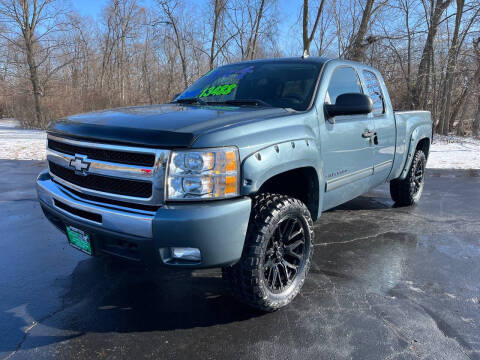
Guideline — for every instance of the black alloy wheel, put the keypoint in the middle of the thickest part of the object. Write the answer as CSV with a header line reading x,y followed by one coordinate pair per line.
x,y
277,253
406,192
418,177
284,255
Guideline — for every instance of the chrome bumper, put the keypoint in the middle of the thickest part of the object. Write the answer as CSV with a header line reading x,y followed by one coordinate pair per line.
x,y
217,229
113,218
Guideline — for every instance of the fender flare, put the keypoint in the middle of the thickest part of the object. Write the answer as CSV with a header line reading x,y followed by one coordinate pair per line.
x,y
419,133
272,160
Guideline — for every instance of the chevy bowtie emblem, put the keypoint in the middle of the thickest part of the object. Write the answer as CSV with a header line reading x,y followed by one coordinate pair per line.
x,y
80,164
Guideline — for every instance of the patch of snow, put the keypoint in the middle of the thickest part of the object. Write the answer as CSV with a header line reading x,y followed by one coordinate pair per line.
x,y
21,144
454,152
446,152
9,123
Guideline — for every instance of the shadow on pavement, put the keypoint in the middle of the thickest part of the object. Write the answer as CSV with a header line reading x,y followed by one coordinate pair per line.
x,y
369,255
105,295
108,295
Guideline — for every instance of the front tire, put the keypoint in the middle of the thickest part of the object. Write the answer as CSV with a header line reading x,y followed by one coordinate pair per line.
x,y
277,253
408,191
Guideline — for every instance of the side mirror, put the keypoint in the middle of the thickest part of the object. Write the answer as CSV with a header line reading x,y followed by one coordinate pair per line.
x,y
350,104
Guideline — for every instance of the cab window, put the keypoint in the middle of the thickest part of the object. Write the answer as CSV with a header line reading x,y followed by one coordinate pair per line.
x,y
374,91
344,80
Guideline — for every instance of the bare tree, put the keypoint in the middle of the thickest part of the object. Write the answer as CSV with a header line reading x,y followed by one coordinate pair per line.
x,y
251,22
356,48
307,39
24,18
219,7
450,70
433,14
142,54
169,8
400,40
124,12
476,121
451,105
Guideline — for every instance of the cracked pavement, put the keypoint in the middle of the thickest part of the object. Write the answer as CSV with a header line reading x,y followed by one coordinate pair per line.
x,y
385,283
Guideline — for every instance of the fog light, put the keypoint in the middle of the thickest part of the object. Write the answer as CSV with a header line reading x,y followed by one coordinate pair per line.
x,y
185,253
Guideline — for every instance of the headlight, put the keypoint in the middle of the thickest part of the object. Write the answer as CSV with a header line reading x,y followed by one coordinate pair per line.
x,y
203,174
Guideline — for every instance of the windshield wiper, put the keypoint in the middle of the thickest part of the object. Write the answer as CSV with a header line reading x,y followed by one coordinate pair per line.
x,y
190,101
253,102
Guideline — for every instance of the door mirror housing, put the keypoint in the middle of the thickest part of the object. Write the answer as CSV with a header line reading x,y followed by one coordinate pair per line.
x,y
349,104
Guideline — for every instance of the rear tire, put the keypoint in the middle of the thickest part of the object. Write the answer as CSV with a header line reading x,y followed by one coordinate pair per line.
x,y
277,253
408,191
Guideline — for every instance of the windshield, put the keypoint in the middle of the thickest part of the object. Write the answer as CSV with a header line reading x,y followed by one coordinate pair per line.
x,y
278,84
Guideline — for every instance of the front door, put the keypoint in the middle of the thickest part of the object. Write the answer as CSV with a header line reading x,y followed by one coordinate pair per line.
x,y
346,147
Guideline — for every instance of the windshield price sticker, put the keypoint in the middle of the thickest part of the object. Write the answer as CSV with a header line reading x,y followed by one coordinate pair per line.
x,y
223,75
218,90
229,76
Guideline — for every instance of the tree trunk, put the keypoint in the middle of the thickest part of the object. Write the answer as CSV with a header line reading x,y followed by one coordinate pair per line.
x,y
307,39
409,57
422,83
33,77
476,121
257,28
450,71
179,41
356,50
216,14
122,67
27,23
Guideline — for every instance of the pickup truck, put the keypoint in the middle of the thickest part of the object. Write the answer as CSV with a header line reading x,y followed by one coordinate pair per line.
x,y
233,172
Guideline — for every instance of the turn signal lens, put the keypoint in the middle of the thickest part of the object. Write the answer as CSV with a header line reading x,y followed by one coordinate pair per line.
x,y
230,184
231,161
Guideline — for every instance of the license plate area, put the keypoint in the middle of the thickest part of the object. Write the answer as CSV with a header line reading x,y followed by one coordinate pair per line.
x,y
79,239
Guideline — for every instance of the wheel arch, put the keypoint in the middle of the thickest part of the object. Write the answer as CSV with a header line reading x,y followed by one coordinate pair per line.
x,y
275,168
424,145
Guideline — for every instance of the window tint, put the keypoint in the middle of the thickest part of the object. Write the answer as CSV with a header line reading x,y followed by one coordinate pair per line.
x,y
374,91
344,80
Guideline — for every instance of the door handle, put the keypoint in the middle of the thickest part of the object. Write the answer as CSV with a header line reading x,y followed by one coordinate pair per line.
x,y
368,134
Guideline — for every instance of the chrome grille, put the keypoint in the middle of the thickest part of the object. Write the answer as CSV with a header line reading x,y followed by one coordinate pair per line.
x,y
138,188
121,157
124,177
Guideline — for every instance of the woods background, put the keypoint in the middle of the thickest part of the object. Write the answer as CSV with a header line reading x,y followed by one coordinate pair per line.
x,y
55,62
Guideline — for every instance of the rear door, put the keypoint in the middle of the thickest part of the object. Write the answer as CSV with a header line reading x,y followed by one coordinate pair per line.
x,y
348,156
384,124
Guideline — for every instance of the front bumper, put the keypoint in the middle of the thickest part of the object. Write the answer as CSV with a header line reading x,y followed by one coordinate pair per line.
x,y
217,228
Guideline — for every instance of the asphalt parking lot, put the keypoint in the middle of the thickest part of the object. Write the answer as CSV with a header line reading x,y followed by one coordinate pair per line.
x,y
386,283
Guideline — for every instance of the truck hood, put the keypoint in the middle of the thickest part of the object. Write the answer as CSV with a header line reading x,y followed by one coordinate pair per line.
x,y
169,125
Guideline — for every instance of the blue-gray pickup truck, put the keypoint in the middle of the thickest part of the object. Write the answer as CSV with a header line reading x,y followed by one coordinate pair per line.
x,y
233,172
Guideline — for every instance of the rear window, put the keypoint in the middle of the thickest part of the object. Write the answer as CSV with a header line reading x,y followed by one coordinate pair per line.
x,y
374,91
280,84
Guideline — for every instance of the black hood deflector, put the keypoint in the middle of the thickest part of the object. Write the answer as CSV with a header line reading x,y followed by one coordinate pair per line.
x,y
121,135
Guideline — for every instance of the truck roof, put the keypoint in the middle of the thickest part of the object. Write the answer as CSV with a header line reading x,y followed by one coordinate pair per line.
x,y
299,59
310,59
